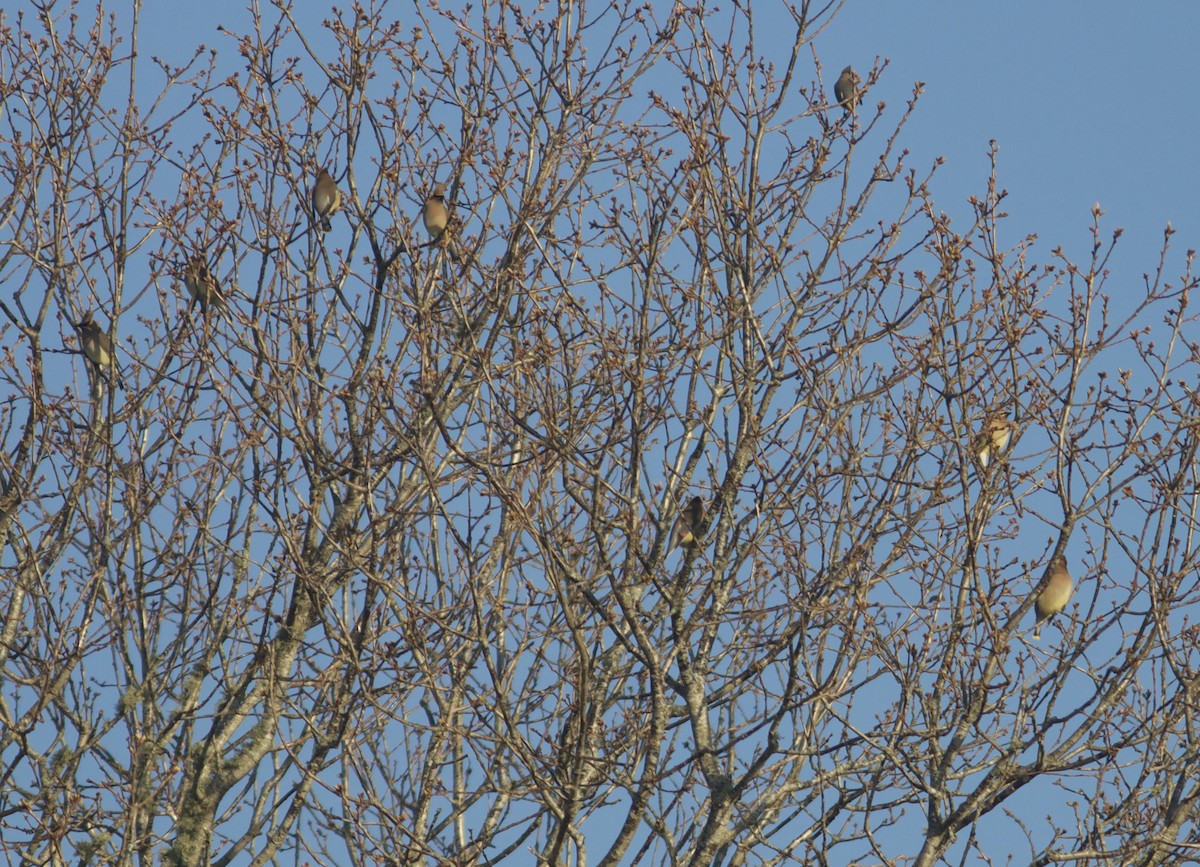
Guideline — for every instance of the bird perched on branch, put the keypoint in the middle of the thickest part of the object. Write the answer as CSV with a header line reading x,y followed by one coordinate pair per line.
x,y
687,525
993,438
98,348
434,214
326,199
1055,596
846,89
203,286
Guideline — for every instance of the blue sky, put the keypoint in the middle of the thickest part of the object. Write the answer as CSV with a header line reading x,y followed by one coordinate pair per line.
x,y
1088,102
1073,93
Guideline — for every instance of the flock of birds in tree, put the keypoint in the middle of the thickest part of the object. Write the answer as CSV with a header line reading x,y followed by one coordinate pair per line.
x,y
990,443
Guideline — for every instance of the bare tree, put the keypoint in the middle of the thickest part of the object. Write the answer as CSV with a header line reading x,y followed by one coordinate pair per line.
x,y
373,563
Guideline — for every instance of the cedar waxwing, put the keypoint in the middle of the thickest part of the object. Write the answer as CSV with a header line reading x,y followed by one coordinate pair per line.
x,y
688,524
993,438
326,199
434,213
846,89
203,286
1055,597
97,346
